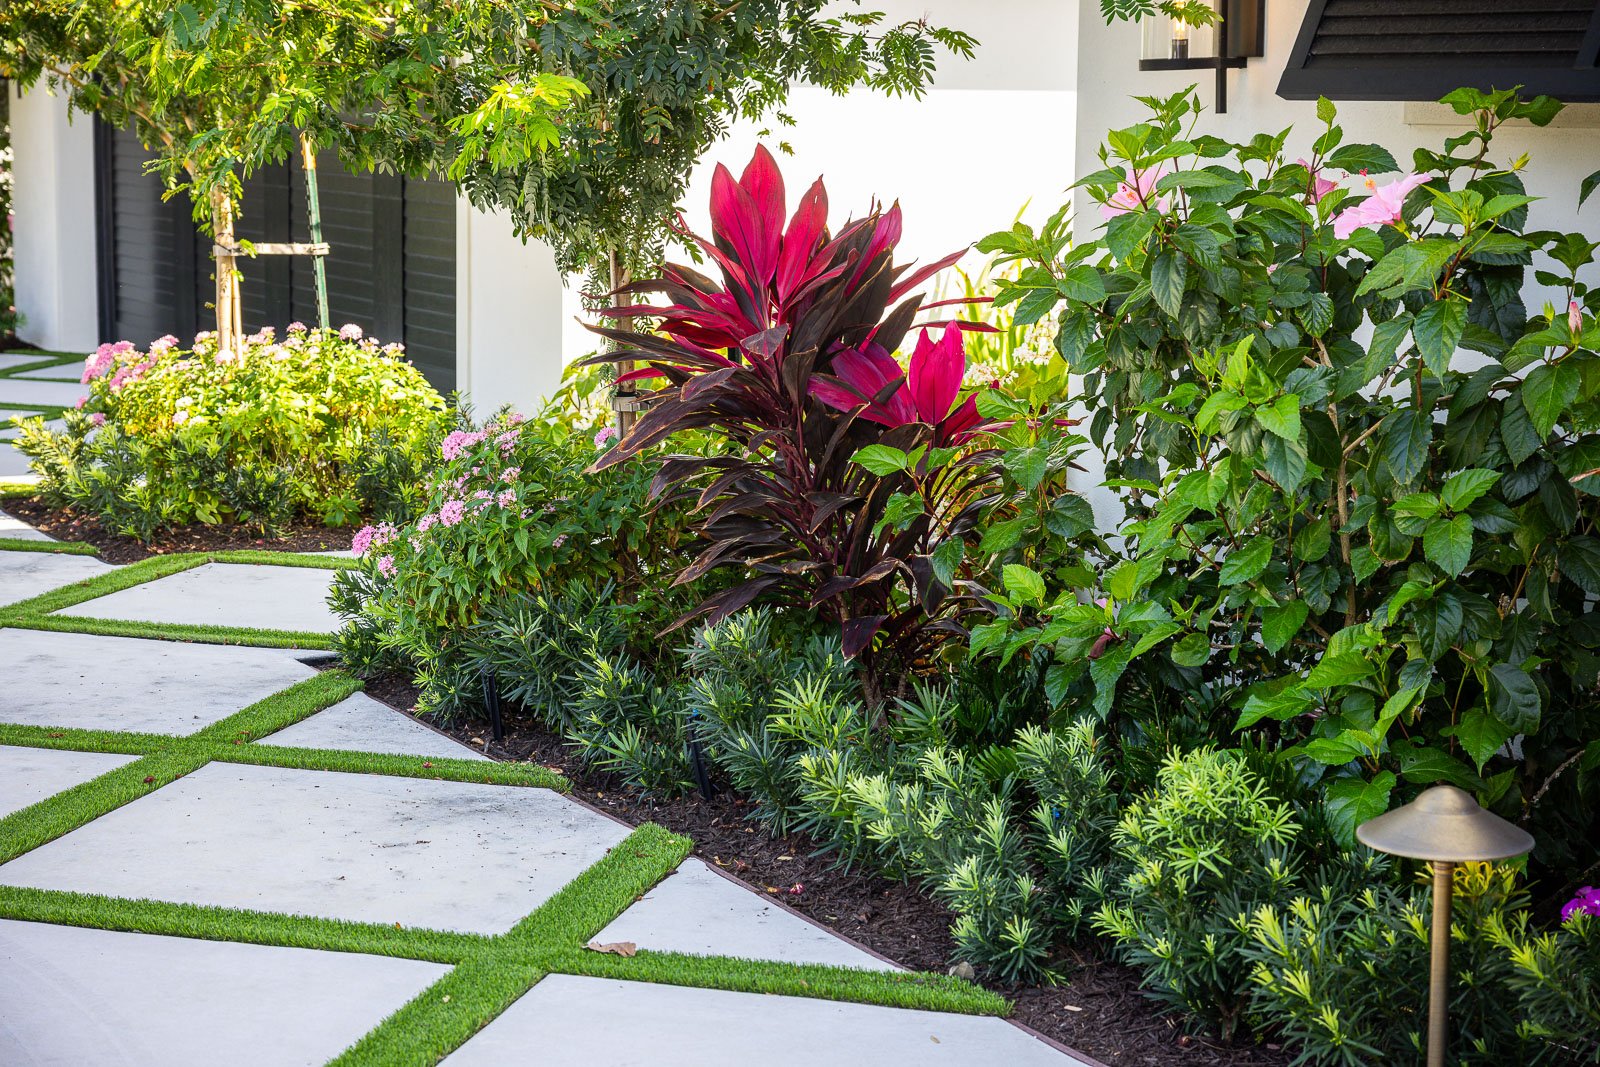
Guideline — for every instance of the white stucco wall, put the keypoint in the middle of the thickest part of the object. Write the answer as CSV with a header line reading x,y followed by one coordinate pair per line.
x,y
508,313
53,237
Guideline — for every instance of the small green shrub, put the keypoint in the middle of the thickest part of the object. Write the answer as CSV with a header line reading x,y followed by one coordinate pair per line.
x,y
1197,858
320,425
1344,975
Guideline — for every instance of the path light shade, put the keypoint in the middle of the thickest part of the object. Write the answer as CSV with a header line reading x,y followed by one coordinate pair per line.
x,y
1444,826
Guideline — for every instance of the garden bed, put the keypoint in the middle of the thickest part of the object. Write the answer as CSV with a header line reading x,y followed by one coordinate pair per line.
x,y
65,524
1100,1011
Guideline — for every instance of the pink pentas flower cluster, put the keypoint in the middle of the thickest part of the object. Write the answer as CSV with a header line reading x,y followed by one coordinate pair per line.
x,y
350,332
605,436
452,512
386,566
458,441
1587,902
103,359
370,537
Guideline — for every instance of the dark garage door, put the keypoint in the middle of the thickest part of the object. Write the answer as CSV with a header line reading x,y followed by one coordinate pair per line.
x,y
391,270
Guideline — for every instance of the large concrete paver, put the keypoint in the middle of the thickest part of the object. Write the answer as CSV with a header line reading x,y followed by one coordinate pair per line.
x,y
225,594
27,574
419,852
360,724
73,997
29,775
599,1022
696,910
124,683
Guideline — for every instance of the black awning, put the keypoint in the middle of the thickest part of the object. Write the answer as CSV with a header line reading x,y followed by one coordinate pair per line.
x,y
1422,49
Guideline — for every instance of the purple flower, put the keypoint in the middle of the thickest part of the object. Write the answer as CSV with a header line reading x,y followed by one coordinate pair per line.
x,y
452,512
97,419
297,327
560,540
386,566
458,442
1587,902
350,332
362,540
605,437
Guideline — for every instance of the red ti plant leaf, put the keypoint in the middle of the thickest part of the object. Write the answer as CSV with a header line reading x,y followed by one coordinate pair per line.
x,y
789,360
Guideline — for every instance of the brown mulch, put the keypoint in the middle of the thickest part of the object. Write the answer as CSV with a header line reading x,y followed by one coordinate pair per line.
x,y
68,525
1099,1011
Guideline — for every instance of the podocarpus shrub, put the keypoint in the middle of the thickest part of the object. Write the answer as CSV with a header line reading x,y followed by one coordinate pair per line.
x,y
1344,977
321,425
510,510
1360,476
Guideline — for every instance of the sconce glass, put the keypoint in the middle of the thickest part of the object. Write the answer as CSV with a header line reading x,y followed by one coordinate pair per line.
x,y
1238,37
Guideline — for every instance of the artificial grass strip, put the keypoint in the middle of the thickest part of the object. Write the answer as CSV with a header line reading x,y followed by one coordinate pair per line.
x,y
114,580
44,360
163,631
283,708
58,815
17,490
485,772
588,904
231,924
37,613
62,548
120,742
893,989
446,1015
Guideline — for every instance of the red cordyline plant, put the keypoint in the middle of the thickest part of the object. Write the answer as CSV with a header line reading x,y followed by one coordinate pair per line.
x,y
788,358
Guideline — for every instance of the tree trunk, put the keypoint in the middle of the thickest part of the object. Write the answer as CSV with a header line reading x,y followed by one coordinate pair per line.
x,y
624,400
229,313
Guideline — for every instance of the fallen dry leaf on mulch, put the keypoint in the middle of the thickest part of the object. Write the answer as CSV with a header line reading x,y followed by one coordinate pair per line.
x,y
616,948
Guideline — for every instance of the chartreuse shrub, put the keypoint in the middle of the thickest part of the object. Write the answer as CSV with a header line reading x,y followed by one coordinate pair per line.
x,y
1359,472
1344,976
510,510
319,425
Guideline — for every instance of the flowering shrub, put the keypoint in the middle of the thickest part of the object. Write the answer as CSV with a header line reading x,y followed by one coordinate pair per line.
x,y
510,509
331,426
1359,474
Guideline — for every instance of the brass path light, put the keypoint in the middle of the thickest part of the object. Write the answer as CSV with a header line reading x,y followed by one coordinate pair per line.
x,y
1444,826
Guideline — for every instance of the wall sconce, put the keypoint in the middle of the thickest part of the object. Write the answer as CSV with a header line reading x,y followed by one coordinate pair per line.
x,y
1238,36
1444,826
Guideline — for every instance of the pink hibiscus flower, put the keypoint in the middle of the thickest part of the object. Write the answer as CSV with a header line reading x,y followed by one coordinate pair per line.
x,y
1381,208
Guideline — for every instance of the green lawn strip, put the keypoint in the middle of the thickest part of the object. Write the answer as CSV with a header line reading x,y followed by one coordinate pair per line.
x,y
17,490
112,581
79,740
314,560
165,631
38,824
283,708
587,904
894,989
394,766
26,544
444,1016
231,924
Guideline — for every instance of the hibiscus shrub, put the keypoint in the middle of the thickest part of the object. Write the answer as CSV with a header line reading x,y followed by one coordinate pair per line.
x,y
511,510
847,483
1359,475
321,425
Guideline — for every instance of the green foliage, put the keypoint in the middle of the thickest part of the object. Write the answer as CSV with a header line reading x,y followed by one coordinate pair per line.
x,y
511,510
1195,859
1374,547
1345,976
316,426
